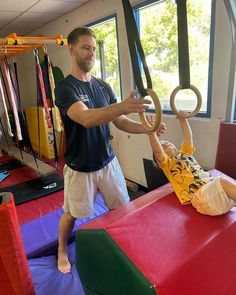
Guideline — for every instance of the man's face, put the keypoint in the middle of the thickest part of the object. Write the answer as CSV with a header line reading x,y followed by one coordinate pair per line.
x,y
84,52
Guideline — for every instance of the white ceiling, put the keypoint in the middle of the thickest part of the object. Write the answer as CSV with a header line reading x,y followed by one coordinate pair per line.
x,y
23,16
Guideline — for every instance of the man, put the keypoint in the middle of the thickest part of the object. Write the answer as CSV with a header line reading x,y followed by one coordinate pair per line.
x,y
87,104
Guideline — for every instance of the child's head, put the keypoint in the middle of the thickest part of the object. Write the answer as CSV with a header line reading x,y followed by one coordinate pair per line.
x,y
169,148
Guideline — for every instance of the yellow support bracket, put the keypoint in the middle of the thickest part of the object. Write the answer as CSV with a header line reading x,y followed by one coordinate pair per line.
x,y
14,41
61,41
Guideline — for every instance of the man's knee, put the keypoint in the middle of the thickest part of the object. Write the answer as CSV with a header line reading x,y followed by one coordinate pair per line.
x,y
68,216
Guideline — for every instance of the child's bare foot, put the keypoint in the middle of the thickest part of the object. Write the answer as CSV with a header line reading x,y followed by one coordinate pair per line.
x,y
63,263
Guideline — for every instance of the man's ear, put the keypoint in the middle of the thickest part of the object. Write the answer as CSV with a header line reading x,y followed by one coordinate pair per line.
x,y
71,49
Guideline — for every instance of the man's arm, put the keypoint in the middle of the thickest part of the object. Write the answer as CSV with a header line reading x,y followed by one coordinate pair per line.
x,y
186,129
79,112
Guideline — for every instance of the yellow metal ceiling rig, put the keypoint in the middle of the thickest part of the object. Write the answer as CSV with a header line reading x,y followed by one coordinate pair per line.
x,y
12,44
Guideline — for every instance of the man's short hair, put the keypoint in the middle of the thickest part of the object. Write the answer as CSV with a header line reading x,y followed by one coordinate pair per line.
x,y
73,37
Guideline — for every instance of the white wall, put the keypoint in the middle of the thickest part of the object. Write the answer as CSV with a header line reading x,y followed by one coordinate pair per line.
x,y
131,149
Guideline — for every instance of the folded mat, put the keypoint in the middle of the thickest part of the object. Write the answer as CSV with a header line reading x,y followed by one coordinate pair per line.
x,y
35,188
11,164
48,280
40,236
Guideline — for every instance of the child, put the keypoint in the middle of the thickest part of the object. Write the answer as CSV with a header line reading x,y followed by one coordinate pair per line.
x,y
192,185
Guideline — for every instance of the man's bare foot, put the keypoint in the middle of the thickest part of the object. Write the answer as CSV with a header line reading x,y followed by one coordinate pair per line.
x,y
63,263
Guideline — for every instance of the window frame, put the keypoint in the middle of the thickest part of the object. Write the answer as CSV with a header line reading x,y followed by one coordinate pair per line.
x,y
206,114
102,20
235,112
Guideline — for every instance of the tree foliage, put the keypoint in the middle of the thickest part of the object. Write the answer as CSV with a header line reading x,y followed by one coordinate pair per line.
x,y
106,32
158,33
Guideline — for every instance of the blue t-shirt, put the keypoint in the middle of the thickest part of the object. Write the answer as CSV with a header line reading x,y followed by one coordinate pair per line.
x,y
87,149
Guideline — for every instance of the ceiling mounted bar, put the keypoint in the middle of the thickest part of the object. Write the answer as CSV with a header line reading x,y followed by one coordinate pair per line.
x,y
13,45
13,39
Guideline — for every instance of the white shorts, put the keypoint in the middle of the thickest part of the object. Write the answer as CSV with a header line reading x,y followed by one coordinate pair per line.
x,y
80,189
211,199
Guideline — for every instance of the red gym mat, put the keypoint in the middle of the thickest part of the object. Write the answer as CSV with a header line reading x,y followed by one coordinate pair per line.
x,y
177,249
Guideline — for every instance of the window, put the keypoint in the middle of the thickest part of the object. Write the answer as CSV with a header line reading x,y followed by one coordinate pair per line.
x,y
158,32
107,61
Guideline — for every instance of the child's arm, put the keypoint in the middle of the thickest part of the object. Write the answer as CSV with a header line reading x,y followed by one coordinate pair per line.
x,y
186,129
156,147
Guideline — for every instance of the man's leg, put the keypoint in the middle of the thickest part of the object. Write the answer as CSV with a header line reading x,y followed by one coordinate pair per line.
x,y
112,185
79,195
229,187
65,228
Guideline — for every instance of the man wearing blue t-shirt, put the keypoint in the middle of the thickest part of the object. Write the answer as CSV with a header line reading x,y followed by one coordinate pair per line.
x,y
87,104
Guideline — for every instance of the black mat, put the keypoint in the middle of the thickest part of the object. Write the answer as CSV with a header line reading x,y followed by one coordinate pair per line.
x,y
11,164
155,177
36,188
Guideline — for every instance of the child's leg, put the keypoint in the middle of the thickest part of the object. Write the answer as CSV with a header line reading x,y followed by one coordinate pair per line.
x,y
229,187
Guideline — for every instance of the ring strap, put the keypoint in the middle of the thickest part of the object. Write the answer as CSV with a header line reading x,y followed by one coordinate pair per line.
x,y
183,48
135,48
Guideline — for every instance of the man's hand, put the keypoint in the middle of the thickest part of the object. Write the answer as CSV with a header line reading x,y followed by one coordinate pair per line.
x,y
134,105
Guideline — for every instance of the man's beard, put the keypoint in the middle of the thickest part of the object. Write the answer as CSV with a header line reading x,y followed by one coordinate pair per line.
x,y
83,65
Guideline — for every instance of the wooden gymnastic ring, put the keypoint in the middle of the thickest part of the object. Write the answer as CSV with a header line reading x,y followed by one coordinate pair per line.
x,y
158,109
199,101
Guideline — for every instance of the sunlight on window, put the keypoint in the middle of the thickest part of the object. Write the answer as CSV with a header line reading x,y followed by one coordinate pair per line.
x,y
107,63
158,32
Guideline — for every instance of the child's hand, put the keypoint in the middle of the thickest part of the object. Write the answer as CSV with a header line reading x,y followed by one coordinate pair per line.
x,y
182,115
160,130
